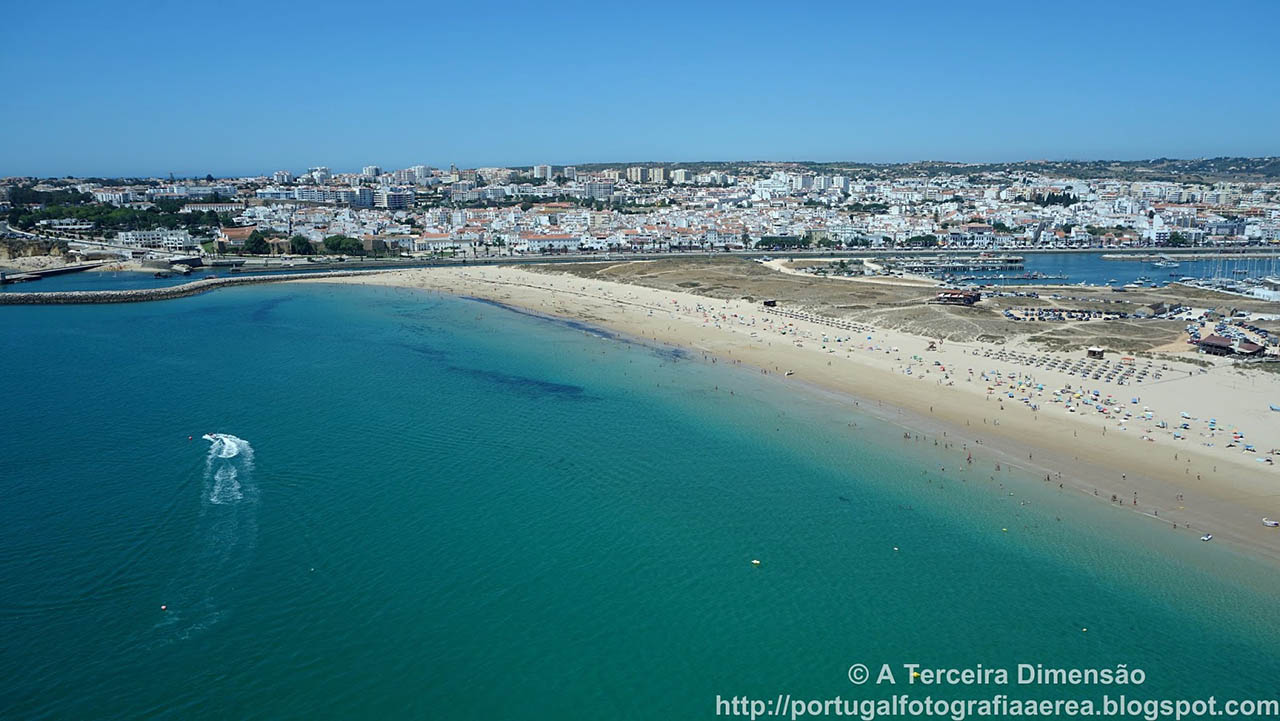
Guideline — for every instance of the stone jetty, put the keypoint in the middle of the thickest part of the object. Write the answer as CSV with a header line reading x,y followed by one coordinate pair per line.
x,y
136,295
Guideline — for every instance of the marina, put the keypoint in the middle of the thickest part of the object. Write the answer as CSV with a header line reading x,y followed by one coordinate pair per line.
x,y
953,263
1220,271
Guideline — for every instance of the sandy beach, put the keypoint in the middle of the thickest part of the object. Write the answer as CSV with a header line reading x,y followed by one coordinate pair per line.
x,y
1000,406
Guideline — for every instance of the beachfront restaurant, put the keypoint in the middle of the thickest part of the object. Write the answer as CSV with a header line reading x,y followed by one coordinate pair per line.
x,y
1218,345
958,297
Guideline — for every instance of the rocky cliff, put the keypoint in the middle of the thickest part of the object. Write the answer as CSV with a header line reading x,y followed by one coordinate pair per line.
x,y
11,248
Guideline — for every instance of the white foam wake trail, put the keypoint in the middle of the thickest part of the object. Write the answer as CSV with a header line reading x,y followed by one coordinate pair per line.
x,y
228,465
226,535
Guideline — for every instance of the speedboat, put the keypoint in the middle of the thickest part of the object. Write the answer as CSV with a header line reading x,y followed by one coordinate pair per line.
x,y
1207,537
1270,523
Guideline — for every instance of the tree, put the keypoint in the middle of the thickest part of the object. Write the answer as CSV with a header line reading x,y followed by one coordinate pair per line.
x,y
343,244
208,178
922,241
299,245
256,244
782,242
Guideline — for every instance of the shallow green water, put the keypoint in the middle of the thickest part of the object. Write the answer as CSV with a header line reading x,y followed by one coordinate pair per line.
x,y
443,507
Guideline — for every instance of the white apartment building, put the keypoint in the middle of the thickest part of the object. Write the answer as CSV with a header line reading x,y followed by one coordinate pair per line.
x,y
355,197
215,207
542,171
192,191
776,186
600,191
164,239
636,174
371,171
393,199
114,197
275,193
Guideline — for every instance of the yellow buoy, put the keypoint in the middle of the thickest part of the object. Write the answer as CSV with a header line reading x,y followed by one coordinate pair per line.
x,y
1084,630
1004,530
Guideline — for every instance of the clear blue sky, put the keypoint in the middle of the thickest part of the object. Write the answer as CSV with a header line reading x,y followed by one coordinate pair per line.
x,y
244,87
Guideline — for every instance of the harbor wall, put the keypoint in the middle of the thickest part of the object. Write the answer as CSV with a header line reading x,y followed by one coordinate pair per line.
x,y
137,295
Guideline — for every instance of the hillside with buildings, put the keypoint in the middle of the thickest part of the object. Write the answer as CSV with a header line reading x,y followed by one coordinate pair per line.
x,y
666,207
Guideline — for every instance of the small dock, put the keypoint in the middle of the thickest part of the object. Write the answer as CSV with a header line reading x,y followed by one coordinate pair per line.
x,y
955,264
1005,276
30,275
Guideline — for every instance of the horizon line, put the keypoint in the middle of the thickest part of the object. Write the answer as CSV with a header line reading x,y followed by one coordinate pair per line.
x,y
759,161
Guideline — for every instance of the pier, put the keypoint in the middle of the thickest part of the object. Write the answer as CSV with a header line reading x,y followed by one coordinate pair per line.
x,y
1004,276
29,275
137,295
955,263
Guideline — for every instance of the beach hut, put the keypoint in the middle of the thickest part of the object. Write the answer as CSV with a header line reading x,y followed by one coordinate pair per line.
x,y
1094,351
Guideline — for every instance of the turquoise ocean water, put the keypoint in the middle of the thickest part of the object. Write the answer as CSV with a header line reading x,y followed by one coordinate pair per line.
x,y
433,506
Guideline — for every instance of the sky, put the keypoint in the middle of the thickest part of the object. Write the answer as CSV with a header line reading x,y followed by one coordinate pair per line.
x,y
231,88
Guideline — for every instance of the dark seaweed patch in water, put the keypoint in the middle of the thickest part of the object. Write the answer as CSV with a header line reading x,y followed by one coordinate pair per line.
x,y
574,324
592,330
672,354
524,384
668,354
422,349
265,308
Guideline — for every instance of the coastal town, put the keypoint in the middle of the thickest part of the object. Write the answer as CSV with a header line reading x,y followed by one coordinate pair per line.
x,y
546,209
